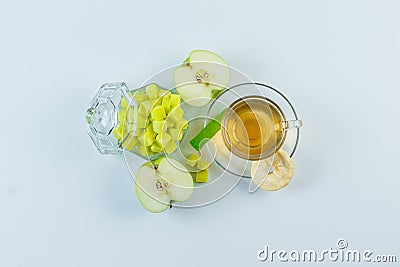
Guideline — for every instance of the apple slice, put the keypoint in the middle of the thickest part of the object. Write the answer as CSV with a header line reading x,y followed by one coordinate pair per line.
x,y
273,173
201,77
161,182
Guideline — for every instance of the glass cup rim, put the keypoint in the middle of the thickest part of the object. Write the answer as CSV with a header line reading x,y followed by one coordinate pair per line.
x,y
229,113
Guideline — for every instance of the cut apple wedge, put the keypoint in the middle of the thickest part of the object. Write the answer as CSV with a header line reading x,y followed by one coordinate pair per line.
x,y
162,182
201,77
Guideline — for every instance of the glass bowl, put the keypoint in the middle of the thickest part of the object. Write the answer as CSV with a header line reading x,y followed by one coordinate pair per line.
x,y
121,120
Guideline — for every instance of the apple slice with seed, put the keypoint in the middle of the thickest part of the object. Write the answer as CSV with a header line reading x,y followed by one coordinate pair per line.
x,y
201,77
162,182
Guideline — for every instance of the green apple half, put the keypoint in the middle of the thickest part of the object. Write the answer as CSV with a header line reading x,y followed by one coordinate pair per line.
x,y
201,77
162,182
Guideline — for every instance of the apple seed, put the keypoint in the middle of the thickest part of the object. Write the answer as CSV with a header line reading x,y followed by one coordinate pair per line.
x,y
159,186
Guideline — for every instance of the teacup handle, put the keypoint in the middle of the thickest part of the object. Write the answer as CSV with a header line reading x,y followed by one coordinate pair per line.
x,y
292,124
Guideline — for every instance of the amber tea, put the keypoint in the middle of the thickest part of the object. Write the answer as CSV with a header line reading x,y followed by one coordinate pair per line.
x,y
252,128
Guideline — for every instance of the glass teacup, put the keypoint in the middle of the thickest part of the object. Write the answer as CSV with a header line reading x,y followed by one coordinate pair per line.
x,y
258,121
254,127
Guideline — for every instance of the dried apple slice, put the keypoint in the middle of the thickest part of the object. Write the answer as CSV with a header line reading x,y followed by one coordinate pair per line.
x,y
273,173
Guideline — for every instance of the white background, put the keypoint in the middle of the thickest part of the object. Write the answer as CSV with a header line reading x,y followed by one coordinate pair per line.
x,y
63,204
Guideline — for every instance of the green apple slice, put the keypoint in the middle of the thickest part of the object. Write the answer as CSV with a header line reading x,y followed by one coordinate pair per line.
x,y
207,132
160,183
201,77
